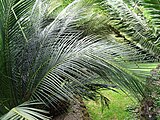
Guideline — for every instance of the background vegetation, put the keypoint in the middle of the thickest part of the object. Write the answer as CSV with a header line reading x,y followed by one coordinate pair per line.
x,y
119,107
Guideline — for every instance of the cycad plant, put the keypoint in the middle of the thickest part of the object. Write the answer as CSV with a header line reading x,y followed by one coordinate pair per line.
x,y
49,55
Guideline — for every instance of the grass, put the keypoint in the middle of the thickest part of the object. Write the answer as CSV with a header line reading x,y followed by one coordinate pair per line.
x,y
117,107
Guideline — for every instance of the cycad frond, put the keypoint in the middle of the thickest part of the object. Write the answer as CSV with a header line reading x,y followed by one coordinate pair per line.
x,y
131,26
25,111
13,38
152,13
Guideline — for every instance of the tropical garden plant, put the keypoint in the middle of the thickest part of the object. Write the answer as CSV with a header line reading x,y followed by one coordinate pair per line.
x,y
53,51
149,108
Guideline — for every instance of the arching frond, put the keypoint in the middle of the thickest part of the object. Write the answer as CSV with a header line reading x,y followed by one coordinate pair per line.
x,y
13,38
152,13
25,111
131,26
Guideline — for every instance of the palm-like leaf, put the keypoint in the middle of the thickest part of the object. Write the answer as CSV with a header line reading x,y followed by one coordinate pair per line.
x,y
52,61
138,32
152,12
26,112
12,40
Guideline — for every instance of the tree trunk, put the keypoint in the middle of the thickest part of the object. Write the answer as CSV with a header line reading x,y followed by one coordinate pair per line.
x,y
76,111
147,110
